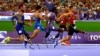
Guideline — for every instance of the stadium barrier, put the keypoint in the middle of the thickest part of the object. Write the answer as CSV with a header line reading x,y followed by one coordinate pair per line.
x,y
6,16
90,38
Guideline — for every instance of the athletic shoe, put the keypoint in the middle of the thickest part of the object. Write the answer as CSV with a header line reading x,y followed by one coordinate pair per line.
x,y
25,44
56,43
44,40
67,43
7,40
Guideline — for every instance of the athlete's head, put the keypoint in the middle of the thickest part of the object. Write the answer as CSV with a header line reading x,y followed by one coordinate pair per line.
x,y
54,10
38,8
66,10
71,8
21,8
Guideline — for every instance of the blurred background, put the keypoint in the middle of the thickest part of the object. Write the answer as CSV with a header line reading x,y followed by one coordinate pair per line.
x,y
87,10
84,7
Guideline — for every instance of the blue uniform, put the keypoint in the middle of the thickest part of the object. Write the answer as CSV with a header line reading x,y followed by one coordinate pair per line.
x,y
38,25
19,26
51,23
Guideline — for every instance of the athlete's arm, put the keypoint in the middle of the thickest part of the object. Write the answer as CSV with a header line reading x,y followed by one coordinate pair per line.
x,y
28,24
47,21
31,20
42,17
12,19
59,18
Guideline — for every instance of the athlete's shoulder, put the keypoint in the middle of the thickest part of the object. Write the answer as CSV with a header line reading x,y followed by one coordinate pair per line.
x,y
37,14
66,14
16,13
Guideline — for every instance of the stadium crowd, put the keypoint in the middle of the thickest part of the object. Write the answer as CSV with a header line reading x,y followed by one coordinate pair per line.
x,y
84,9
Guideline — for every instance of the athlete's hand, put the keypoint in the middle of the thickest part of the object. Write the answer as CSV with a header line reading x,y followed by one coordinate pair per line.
x,y
29,24
14,27
46,27
46,12
57,21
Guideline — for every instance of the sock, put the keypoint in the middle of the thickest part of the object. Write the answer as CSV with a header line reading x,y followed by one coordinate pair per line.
x,y
47,34
61,35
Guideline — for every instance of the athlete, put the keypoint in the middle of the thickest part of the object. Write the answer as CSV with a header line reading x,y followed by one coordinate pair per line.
x,y
51,18
50,22
19,26
63,19
71,28
38,18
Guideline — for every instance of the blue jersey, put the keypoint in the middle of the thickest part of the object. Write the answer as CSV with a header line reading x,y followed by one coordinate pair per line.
x,y
51,26
52,19
38,24
37,21
19,26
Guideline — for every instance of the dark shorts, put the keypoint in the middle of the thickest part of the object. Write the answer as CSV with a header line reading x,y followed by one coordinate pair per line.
x,y
63,27
52,28
71,30
40,27
20,30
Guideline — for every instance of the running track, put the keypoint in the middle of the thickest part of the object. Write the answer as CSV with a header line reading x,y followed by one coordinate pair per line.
x,y
73,50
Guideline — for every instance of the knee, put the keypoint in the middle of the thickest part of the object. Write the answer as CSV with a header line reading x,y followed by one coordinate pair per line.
x,y
21,39
60,30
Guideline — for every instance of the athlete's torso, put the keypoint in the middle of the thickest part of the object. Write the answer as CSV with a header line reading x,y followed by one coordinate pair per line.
x,y
37,21
72,18
19,20
52,19
64,21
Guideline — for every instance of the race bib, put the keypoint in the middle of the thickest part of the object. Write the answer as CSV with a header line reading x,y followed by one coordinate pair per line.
x,y
20,31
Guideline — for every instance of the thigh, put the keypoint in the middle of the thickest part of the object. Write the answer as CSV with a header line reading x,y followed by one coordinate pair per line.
x,y
70,30
20,30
